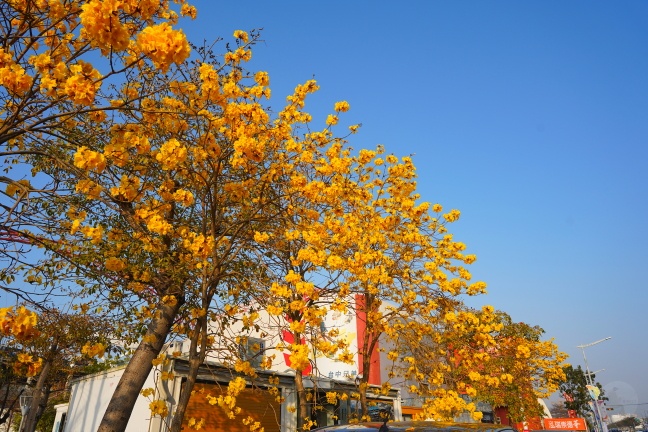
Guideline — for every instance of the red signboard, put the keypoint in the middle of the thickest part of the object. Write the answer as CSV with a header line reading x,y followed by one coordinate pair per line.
x,y
565,423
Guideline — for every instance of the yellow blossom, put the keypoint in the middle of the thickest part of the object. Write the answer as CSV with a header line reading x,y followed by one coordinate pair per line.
x,y
87,159
94,350
261,237
331,120
115,264
241,35
163,45
342,106
159,407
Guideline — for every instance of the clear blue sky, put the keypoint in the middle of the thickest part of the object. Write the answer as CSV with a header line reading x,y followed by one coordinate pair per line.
x,y
530,117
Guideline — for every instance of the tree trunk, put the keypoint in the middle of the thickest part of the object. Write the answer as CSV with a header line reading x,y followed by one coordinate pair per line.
x,y
362,389
369,340
123,400
40,395
196,359
185,395
302,406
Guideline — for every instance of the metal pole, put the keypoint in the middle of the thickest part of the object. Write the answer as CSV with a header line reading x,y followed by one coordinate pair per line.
x,y
588,379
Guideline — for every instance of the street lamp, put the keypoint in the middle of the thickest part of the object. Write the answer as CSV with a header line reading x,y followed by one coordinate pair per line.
x,y
588,379
25,405
594,373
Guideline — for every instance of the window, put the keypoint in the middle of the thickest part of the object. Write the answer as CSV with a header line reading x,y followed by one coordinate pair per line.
x,y
251,350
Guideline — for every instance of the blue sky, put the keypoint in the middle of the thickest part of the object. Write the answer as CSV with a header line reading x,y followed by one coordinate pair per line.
x,y
529,117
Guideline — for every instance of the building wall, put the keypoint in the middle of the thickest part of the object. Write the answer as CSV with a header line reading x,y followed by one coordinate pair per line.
x,y
272,331
59,419
90,397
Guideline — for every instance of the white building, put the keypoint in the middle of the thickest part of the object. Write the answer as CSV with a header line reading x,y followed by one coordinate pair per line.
x,y
90,395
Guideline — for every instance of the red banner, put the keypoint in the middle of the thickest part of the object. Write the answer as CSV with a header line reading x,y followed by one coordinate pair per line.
x,y
565,424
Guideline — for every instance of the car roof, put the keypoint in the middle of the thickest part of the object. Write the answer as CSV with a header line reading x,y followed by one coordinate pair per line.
x,y
419,426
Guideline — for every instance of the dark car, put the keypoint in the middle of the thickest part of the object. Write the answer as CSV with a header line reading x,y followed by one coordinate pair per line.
x,y
418,426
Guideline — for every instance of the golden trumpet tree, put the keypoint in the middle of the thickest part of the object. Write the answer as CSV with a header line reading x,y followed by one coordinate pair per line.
x,y
66,344
435,348
479,355
396,253
295,251
528,368
58,60
270,153
168,199
355,237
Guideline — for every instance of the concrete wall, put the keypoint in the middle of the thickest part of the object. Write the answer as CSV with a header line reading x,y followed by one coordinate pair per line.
x,y
89,400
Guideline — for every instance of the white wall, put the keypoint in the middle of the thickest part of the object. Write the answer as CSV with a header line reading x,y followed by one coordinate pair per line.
x,y
270,330
89,400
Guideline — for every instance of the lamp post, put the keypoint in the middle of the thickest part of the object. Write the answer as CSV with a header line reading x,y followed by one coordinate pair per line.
x,y
590,374
25,405
588,379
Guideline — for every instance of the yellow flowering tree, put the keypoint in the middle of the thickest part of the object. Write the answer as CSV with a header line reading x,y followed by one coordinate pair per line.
x,y
50,88
295,251
520,369
59,59
170,199
436,355
354,237
166,197
397,257
66,344
245,182
478,355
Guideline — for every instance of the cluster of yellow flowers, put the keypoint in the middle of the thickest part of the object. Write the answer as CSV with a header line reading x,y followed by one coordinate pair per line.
x,y
19,323
196,424
159,407
81,85
95,234
12,75
18,188
171,154
446,405
252,424
228,401
89,188
102,25
299,356
115,264
94,349
26,365
124,138
163,45
128,189
87,159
